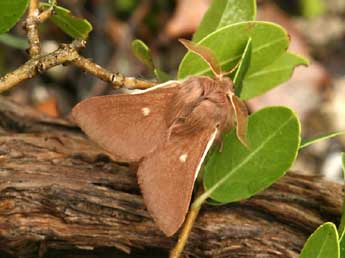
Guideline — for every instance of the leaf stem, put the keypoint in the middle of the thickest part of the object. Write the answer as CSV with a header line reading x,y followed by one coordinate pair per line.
x,y
187,227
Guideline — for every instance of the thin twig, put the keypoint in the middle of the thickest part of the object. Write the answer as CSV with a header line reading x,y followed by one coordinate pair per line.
x,y
41,63
46,14
116,79
68,53
187,227
31,26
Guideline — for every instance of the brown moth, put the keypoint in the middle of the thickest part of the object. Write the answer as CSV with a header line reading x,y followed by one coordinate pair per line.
x,y
168,130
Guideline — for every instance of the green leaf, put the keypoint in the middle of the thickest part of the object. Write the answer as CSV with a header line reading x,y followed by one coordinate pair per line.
x,y
143,53
238,172
312,140
323,243
14,41
269,41
10,12
225,12
342,246
77,28
243,67
312,8
341,228
161,75
259,81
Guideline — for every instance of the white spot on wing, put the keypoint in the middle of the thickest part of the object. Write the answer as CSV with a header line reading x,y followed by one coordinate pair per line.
x,y
183,157
146,111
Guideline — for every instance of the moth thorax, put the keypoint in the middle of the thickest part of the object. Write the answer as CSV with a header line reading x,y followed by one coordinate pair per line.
x,y
200,104
226,83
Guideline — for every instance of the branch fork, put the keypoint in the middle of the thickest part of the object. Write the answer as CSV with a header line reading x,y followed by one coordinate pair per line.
x,y
65,54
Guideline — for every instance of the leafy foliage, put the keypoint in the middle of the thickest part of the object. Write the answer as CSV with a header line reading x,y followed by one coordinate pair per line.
x,y
341,229
239,172
10,12
312,8
310,141
323,243
243,67
257,82
259,49
143,54
225,12
77,28
269,41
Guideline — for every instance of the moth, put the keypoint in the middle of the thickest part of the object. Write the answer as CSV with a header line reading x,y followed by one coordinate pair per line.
x,y
167,130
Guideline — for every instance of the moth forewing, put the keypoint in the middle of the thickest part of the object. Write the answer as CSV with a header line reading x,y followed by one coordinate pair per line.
x,y
128,126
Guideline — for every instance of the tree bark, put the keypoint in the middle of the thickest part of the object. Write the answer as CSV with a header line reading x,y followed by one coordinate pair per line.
x,y
59,191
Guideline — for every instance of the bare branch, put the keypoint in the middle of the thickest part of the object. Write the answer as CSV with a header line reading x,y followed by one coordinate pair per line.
x,y
33,7
68,53
116,79
46,14
39,64
31,26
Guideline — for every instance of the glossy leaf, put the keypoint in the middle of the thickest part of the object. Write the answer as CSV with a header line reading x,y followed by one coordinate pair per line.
x,y
161,75
143,53
342,246
313,8
205,53
341,228
243,67
77,28
310,141
10,12
341,232
323,243
238,172
225,12
269,41
259,81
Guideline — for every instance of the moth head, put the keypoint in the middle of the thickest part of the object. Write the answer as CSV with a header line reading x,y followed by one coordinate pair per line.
x,y
210,58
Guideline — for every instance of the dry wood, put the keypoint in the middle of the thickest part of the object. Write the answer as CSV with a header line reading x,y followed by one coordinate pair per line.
x,y
60,191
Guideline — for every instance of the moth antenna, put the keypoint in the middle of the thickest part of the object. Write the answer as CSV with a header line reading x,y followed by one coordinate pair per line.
x,y
232,69
206,54
241,114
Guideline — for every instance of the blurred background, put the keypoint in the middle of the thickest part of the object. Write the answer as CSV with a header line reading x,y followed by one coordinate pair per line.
x,y
316,93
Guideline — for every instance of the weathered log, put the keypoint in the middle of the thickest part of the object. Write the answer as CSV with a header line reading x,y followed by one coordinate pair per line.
x,y
59,191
